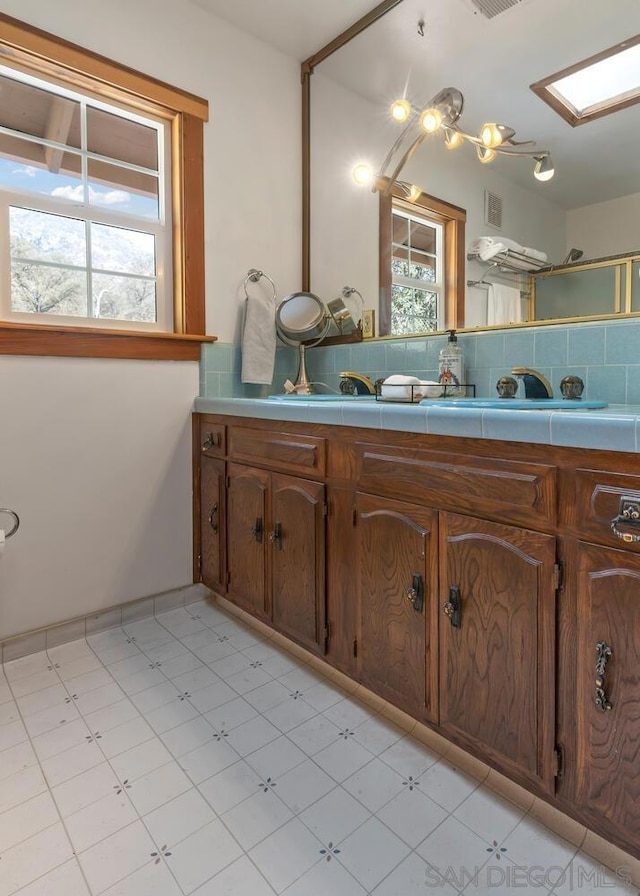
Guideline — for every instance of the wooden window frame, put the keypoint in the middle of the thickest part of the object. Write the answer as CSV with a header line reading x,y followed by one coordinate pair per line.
x,y
453,220
25,47
544,89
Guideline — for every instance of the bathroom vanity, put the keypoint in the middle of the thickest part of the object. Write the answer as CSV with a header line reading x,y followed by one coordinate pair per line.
x,y
489,588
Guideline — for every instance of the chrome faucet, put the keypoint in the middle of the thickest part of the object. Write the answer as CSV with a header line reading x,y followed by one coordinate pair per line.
x,y
535,384
352,383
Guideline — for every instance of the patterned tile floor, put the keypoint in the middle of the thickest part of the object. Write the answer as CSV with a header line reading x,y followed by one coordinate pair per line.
x,y
184,754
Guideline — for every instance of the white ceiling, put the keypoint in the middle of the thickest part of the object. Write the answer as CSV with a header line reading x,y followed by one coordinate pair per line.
x,y
492,61
297,27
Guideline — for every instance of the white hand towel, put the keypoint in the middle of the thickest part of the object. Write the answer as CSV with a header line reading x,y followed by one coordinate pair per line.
x,y
259,340
504,305
398,387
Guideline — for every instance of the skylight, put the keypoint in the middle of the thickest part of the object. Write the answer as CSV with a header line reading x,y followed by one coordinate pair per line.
x,y
596,86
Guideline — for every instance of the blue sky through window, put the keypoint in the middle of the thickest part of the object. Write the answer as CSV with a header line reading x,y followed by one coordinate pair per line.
x,y
33,179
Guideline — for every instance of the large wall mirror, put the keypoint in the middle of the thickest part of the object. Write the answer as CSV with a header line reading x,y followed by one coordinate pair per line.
x,y
592,204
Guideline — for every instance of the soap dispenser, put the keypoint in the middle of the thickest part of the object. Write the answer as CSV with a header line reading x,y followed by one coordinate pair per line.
x,y
451,367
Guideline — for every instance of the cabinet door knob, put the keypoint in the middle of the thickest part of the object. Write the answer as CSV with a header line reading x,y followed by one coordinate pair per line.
x,y
256,529
275,537
213,518
604,655
415,594
212,440
453,607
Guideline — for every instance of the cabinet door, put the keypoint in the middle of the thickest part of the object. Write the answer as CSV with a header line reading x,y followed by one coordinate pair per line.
x,y
297,538
247,519
212,523
395,647
497,623
608,739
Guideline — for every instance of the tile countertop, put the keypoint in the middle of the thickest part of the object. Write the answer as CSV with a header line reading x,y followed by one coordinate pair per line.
x,y
615,428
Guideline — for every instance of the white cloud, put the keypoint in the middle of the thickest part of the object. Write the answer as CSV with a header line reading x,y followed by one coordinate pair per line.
x,y
76,194
25,171
69,192
111,198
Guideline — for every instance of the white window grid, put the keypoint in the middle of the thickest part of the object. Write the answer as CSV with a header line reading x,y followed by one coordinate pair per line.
x,y
436,260
90,213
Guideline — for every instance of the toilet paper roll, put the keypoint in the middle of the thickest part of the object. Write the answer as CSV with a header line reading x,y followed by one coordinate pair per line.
x,y
2,541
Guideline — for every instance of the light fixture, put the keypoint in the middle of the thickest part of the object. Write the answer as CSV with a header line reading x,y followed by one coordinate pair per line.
x,y
543,169
493,135
431,120
400,110
452,139
362,174
441,115
485,154
411,192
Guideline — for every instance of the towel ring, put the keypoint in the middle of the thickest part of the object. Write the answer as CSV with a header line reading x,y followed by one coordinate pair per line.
x,y
16,521
253,276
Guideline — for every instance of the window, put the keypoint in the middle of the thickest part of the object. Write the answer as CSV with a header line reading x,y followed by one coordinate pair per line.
x,y
596,86
416,273
101,198
421,264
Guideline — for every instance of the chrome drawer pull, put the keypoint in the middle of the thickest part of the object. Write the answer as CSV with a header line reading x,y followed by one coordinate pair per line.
x,y
628,519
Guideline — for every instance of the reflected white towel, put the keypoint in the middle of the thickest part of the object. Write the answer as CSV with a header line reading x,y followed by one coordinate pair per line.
x,y
486,247
259,340
504,305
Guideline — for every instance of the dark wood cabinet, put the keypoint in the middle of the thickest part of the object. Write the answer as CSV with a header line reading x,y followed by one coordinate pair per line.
x,y
297,543
247,521
490,590
607,690
212,523
497,637
397,582
276,549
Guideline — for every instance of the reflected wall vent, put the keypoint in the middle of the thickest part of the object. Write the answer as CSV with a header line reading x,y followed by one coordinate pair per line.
x,y
492,209
492,8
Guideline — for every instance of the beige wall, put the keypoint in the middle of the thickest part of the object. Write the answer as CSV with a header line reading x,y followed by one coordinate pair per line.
x,y
95,455
606,228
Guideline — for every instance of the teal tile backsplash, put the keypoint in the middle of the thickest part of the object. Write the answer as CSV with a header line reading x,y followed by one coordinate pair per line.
x,y
605,355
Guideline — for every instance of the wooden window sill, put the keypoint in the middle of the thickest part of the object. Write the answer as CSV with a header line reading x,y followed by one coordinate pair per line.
x,y
84,342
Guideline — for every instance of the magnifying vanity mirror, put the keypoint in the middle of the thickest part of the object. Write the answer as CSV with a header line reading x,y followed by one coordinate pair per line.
x,y
591,205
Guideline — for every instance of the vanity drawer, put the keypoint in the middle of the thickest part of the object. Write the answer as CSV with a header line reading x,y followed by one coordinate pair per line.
x,y
515,491
596,503
212,438
286,451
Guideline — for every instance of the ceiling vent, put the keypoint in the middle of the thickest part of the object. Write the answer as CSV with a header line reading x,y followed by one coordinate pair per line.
x,y
492,209
492,8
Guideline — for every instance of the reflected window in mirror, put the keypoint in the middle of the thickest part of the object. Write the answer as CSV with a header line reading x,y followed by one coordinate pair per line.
x,y
422,264
417,262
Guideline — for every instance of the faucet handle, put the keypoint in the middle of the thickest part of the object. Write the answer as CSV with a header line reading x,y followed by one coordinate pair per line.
x,y
572,387
347,386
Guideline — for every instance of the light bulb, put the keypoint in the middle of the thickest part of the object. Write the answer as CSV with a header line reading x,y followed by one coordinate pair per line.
x,y
400,110
431,120
414,193
493,135
543,169
490,135
362,174
452,139
485,154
